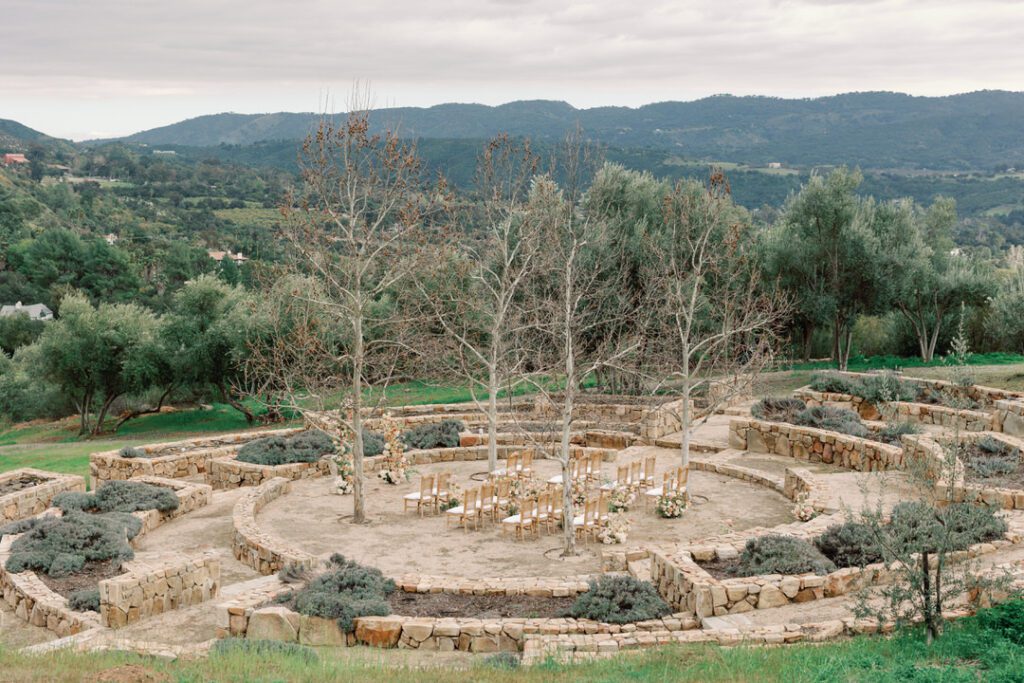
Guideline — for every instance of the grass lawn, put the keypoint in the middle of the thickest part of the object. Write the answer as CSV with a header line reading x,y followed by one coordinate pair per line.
x,y
989,647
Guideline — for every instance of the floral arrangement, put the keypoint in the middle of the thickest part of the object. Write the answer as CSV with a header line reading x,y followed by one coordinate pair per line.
x,y
802,509
579,493
672,505
341,466
452,497
621,499
524,487
395,468
616,530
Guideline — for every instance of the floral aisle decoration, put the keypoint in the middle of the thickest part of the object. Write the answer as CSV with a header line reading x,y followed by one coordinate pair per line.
x,y
621,499
579,493
616,530
340,464
803,509
671,505
395,468
524,487
451,498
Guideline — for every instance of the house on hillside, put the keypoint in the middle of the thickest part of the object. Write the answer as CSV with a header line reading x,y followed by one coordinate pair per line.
x,y
33,311
12,159
774,164
219,256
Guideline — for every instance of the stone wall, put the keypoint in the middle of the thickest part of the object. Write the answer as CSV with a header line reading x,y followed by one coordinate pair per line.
x,y
686,586
654,422
813,445
34,602
158,585
276,622
924,448
229,473
191,496
263,552
174,459
982,395
923,413
1009,417
32,500
543,587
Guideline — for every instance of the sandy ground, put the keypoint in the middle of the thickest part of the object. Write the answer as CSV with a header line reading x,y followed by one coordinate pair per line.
x,y
315,519
206,529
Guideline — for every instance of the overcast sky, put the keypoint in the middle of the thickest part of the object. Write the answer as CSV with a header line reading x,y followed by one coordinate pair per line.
x,y
97,68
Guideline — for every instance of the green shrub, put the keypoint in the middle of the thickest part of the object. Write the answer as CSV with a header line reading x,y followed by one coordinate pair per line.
x,y
921,527
293,572
129,452
503,660
62,545
307,446
884,387
20,527
1006,619
619,600
373,443
893,432
776,554
262,648
119,496
851,544
777,409
986,466
441,435
345,591
832,383
85,600
832,419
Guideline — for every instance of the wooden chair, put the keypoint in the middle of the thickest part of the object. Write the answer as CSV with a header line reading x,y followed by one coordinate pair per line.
x,y
441,488
634,473
511,466
557,494
526,463
544,510
426,496
487,501
469,510
524,520
682,476
647,472
587,523
593,467
668,485
577,470
621,479
502,495
603,500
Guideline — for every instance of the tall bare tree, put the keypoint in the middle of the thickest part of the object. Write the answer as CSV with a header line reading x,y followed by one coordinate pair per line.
x,y
569,305
719,321
361,211
475,299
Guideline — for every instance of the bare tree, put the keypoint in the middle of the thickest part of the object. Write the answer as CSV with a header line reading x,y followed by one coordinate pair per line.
x,y
569,304
360,213
475,298
719,321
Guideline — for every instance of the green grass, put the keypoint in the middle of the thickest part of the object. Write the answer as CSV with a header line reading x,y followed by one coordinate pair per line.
x,y
971,650
862,363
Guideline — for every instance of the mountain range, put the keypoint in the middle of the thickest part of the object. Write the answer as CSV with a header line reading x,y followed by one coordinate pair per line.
x,y
981,130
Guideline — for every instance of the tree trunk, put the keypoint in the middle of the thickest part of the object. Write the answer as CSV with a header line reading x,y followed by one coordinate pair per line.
x,y
234,403
808,335
358,502
569,532
684,421
150,411
98,427
83,413
926,593
492,419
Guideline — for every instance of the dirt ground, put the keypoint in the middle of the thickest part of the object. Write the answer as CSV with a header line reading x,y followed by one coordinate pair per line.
x,y
318,521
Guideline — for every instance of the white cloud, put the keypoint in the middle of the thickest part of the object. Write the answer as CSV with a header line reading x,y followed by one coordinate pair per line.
x,y
131,65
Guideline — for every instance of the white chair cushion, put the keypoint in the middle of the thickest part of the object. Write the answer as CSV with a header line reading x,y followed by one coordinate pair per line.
x,y
412,496
457,510
654,493
514,519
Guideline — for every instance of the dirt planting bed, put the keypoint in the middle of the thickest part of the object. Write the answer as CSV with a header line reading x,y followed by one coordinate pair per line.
x,y
998,466
477,606
88,577
23,482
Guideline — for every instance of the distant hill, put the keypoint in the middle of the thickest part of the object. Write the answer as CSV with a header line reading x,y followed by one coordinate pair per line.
x,y
16,137
972,131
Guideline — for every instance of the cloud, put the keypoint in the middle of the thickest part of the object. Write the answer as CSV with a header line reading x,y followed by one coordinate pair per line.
x,y
229,54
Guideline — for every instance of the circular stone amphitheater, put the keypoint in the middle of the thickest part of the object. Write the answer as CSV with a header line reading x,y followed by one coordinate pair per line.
x,y
475,578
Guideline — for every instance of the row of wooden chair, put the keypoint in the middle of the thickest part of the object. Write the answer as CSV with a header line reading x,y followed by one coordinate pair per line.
x,y
545,509
433,489
487,500
518,464
581,467
673,481
638,474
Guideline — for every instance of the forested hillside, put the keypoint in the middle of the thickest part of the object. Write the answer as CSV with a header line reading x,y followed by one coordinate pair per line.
x,y
878,130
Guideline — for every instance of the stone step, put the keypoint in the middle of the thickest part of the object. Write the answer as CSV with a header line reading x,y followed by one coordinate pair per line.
x,y
740,622
640,569
696,445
